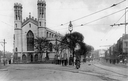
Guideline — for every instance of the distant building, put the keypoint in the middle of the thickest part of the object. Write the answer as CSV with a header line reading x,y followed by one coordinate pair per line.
x,y
95,55
118,51
25,31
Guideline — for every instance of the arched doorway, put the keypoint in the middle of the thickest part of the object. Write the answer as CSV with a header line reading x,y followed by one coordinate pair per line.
x,y
36,57
30,57
24,58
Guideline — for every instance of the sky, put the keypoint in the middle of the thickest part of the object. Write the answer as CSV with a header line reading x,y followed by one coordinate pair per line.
x,y
97,34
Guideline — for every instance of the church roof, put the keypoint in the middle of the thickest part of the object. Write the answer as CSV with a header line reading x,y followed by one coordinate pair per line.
x,y
30,19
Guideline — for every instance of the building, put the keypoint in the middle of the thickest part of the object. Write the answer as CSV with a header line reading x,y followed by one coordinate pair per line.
x,y
25,31
119,51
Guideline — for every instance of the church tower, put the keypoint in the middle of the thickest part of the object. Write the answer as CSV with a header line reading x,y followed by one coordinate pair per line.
x,y
41,5
17,27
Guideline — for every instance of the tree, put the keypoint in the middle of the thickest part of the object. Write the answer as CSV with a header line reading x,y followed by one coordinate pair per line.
x,y
89,48
83,49
42,45
72,39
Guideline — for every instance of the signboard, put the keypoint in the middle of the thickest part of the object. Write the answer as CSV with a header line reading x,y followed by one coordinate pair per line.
x,y
125,46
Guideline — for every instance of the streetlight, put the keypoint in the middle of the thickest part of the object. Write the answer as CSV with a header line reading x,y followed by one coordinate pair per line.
x,y
70,28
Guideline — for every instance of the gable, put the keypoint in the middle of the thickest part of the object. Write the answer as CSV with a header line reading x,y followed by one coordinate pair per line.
x,y
29,20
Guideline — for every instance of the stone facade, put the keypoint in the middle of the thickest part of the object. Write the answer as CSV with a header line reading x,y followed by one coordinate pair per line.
x,y
25,31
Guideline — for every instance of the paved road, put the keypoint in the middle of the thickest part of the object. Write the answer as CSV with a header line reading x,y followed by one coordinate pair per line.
x,y
51,72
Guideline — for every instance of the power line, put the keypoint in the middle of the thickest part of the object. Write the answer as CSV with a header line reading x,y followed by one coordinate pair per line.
x,y
6,23
95,12
101,18
95,19
112,27
116,22
121,16
125,23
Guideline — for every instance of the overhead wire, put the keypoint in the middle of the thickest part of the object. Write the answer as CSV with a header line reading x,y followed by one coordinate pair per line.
x,y
112,27
117,22
94,20
91,13
95,12
101,18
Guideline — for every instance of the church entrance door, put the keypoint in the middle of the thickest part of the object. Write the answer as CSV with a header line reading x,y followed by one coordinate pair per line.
x,y
36,57
24,58
30,57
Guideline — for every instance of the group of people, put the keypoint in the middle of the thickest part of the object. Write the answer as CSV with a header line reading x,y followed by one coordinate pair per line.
x,y
63,59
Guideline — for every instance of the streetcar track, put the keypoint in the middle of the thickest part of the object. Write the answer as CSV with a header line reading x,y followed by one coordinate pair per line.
x,y
112,71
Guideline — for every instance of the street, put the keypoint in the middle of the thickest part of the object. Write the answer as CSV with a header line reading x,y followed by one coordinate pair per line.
x,y
52,72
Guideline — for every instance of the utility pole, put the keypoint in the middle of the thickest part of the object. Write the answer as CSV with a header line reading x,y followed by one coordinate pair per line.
x,y
4,51
125,23
56,46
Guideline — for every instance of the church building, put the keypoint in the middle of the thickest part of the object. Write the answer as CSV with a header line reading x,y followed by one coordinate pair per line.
x,y
26,30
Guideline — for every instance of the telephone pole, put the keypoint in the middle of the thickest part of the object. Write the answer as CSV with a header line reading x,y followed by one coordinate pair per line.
x,y
4,51
125,23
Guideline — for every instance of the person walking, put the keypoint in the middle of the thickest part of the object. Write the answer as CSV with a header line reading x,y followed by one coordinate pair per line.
x,y
58,59
71,60
65,59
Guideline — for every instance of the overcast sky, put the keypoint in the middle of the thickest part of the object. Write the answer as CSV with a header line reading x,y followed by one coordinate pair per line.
x,y
62,11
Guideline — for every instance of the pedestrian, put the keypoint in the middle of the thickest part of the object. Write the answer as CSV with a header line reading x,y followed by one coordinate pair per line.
x,y
55,59
9,61
70,60
65,58
58,59
62,61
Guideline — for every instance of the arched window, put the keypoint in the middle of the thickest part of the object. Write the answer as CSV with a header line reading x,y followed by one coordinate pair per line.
x,y
16,25
40,23
47,34
16,49
30,41
30,25
50,35
51,46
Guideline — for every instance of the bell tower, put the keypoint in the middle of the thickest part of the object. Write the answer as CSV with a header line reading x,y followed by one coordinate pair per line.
x,y
17,27
41,7
17,15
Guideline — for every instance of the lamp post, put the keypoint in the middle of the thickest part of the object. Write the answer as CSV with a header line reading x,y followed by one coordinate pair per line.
x,y
70,28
